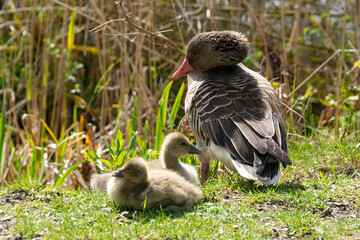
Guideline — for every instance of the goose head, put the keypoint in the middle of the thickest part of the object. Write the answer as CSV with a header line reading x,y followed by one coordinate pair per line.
x,y
177,145
134,170
213,49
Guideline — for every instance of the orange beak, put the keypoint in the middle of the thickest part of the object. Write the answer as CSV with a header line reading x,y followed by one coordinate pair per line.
x,y
183,70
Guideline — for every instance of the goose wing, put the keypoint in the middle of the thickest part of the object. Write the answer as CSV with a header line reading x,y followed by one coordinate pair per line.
x,y
242,115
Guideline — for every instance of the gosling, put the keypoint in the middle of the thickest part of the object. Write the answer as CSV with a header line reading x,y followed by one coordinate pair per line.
x,y
177,145
98,182
134,186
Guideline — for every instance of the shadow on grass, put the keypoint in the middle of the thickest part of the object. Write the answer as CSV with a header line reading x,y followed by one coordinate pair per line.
x,y
148,214
285,187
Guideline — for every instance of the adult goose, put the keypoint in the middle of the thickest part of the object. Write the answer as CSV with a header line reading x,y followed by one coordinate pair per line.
x,y
233,111
135,186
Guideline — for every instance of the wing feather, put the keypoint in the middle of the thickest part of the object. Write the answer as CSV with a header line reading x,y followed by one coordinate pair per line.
x,y
242,117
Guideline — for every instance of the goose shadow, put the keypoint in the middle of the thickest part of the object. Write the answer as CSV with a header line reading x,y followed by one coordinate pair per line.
x,y
148,214
284,187
245,186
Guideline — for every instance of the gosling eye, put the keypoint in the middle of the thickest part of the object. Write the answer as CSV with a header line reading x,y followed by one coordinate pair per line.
x,y
194,54
128,169
183,144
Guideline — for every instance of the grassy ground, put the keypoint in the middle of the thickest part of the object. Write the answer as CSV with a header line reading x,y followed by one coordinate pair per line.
x,y
318,197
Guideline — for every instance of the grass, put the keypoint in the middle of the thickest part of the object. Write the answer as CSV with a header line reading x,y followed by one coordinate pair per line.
x,y
317,198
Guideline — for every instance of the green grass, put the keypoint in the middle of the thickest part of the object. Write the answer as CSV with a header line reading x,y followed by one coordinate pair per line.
x,y
317,198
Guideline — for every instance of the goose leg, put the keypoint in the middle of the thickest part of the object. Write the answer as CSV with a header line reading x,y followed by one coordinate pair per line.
x,y
204,168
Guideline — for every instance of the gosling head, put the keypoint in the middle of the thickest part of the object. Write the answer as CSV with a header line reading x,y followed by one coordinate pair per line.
x,y
178,145
134,170
213,49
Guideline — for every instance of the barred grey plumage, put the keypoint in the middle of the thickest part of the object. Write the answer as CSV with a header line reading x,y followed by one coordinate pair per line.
x,y
233,111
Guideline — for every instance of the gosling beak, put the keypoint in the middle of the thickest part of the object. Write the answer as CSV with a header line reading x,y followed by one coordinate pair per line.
x,y
194,150
118,173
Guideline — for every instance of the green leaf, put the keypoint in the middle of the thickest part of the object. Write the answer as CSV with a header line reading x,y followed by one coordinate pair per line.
x,y
110,148
142,145
2,128
60,182
98,88
176,106
161,118
181,123
120,159
92,155
106,162
31,168
71,32
215,169
134,116
120,138
132,142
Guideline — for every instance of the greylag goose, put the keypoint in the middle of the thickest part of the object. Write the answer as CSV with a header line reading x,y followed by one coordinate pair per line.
x,y
177,145
233,111
134,186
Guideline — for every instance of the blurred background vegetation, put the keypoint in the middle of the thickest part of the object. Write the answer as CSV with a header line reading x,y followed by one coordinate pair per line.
x,y
75,75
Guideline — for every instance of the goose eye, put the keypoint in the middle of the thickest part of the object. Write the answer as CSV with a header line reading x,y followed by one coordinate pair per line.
x,y
194,53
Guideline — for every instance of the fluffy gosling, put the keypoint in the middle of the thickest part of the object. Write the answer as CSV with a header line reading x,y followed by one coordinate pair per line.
x,y
177,145
134,186
98,182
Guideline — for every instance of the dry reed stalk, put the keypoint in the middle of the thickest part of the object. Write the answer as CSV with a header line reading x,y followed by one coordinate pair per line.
x,y
339,78
357,24
144,94
258,21
357,37
232,14
156,35
179,28
87,169
316,70
212,12
284,58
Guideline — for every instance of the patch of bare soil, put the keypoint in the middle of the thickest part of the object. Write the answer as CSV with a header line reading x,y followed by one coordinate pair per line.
x,y
5,224
15,196
21,195
267,206
340,210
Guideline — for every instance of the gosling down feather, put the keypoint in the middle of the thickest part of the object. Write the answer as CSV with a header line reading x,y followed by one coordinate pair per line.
x,y
175,146
98,182
135,186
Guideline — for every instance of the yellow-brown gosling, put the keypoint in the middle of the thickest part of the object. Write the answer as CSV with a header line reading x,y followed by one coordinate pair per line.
x,y
99,182
177,145
135,186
